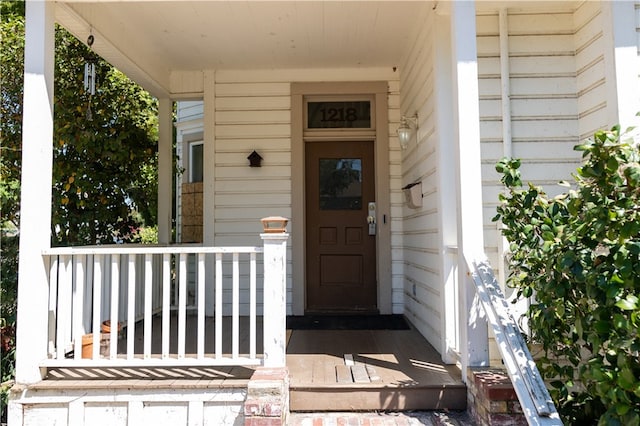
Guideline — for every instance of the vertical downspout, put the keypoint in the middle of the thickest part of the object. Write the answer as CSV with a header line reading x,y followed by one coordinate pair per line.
x,y
507,149
505,80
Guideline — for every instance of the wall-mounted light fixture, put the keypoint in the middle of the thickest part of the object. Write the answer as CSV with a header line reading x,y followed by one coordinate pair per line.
x,y
405,130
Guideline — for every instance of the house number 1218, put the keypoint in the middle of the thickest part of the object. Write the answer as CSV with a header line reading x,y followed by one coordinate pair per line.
x,y
339,114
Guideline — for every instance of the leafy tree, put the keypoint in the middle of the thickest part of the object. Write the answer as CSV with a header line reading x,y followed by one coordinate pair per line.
x,y
578,254
11,83
104,151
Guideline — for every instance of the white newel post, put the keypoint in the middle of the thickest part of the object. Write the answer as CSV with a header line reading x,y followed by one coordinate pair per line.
x,y
275,294
35,211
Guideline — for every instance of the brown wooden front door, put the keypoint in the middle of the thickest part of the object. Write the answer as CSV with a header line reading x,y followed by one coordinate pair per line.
x,y
341,253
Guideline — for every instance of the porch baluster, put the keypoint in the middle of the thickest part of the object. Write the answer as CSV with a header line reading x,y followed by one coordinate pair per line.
x,y
131,306
182,305
64,305
148,283
218,307
53,301
235,303
78,305
252,307
201,298
98,259
115,288
166,303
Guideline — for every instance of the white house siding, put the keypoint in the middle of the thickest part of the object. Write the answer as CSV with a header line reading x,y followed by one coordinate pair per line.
x,y
544,109
421,278
253,112
590,46
544,102
189,110
250,115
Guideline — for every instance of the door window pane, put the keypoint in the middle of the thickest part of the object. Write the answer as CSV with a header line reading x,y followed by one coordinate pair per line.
x,y
340,184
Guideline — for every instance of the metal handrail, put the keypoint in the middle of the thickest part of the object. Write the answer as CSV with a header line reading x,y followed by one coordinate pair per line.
x,y
527,381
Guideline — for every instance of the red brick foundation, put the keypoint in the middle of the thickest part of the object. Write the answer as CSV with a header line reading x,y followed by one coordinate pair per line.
x,y
267,402
492,401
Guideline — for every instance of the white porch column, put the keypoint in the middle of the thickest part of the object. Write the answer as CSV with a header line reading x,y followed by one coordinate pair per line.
x,y
35,202
450,340
622,62
466,130
165,169
208,177
275,299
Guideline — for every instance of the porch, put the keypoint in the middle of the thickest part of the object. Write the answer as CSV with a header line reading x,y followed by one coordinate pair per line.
x,y
329,370
194,324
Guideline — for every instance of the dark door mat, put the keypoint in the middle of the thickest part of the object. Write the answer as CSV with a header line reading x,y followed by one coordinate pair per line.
x,y
347,322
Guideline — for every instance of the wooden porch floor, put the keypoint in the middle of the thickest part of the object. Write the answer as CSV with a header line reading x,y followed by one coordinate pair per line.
x,y
330,370
346,370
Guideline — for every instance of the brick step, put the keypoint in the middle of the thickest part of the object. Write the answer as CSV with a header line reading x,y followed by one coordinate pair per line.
x,y
492,398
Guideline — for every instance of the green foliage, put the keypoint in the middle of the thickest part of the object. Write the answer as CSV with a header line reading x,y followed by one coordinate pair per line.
x,y
578,254
8,293
146,235
11,83
104,151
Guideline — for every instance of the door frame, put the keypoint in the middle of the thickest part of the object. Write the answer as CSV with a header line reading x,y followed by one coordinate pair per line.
x,y
378,92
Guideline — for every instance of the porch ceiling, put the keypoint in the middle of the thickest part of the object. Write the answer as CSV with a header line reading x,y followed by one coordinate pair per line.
x,y
149,40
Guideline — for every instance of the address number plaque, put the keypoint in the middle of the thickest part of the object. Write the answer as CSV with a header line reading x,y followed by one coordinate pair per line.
x,y
339,115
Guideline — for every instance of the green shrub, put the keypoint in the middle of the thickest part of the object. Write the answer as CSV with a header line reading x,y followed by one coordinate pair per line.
x,y
578,255
8,294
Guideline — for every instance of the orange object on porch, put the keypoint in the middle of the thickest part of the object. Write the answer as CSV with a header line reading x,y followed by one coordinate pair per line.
x,y
87,340
105,327
87,345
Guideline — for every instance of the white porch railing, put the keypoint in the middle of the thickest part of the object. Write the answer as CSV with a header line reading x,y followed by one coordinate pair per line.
x,y
155,287
529,386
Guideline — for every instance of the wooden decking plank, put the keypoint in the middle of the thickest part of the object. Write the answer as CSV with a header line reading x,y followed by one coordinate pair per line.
x,y
360,374
373,374
343,374
348,359
301,369
317,372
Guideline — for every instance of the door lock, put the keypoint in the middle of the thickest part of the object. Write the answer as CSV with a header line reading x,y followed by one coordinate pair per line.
x,y
371,219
